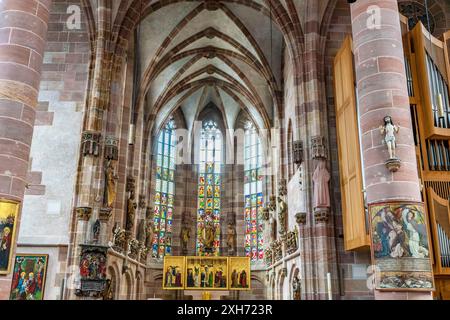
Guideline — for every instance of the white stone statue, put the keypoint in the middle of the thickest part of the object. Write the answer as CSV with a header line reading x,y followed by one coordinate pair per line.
x,y
321,178
389,130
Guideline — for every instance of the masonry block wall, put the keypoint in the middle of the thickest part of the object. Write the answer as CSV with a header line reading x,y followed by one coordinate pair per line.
x,y
352,265
48,203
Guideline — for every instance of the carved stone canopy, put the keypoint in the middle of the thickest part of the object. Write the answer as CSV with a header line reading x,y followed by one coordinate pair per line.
x,y
297,152
90,143
318,148
111,148
83,213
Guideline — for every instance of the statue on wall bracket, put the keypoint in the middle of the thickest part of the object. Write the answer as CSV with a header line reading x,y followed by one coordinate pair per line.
x,y
321,200
231,238
110,183
389,129
185,235
131,204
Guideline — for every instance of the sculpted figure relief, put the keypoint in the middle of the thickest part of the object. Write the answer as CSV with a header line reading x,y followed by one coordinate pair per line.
x,y
209,234
321,179
282,214
231,237
185,235
131,205
110,186
389,129
296,288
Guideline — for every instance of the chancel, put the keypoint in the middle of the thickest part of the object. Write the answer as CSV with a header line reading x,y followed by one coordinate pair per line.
x,y
222,149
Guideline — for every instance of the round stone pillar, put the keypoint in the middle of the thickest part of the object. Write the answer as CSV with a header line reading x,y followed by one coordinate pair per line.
x,y
382,91
23,29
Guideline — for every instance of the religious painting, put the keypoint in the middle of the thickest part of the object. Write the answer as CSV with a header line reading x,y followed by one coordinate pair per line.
x,y
8,216
28,281
93,262
174,273
207,273
239,273
400,247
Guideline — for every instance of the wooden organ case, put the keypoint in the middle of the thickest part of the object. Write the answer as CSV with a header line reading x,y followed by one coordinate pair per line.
x,y
428,77
427,67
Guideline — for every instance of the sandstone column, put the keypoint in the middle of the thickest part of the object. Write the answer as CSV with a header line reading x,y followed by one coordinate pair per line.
x,y
23,29
382,91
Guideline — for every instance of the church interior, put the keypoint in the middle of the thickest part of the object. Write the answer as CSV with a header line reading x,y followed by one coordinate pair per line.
x,y
224,149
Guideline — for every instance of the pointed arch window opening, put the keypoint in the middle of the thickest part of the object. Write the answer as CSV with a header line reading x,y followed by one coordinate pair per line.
x,y
253,194
164,191
209,189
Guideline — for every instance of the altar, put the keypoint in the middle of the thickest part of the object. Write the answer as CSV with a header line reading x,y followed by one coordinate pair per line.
x,y
206,295
206,278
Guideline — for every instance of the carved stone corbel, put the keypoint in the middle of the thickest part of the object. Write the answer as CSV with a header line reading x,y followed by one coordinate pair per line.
x,y
318,148
83,213
300,217
104,214
321,215
111,148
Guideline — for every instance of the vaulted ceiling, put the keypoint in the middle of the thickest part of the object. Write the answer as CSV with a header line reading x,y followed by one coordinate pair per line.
x,y
192,54
196,52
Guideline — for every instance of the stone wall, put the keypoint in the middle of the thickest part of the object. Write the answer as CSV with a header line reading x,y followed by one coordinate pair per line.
x,y
48,203
352,265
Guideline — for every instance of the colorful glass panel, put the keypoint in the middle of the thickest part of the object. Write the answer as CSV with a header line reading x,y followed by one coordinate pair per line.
x,y
253,193
209,189
164,192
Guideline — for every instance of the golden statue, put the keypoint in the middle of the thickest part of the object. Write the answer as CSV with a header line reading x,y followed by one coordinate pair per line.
x,y
111,180
209,235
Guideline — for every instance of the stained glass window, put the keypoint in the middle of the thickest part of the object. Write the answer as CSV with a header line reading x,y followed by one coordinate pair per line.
x,y
253,192
209,191
164,192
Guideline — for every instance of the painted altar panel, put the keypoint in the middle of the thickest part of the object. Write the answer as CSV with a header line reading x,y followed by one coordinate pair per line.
x,y
400,247
174,273
239,273
207,273
8,218
29,273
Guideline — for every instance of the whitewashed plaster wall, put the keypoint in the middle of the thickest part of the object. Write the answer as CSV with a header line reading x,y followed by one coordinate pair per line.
x,y
54,152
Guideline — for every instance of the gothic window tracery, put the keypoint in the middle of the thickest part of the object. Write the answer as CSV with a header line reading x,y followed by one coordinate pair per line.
x,y
253,193
164,192
209,190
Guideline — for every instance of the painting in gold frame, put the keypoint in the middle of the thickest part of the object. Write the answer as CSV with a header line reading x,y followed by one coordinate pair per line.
x,y
29,275
174,269
206,273
9,211
239,273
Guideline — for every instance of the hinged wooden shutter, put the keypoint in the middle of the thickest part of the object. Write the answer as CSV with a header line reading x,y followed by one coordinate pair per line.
x,y
353,211
447,53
